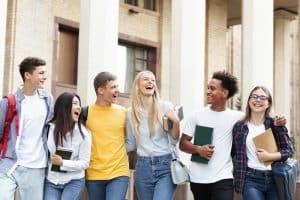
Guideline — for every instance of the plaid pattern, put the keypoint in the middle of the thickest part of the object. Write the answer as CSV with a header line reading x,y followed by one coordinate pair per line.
x,y
240,132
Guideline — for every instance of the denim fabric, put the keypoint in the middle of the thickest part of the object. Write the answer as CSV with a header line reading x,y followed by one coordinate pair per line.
x,y
259,185
114,189
29,181
71,190
153,179
8,187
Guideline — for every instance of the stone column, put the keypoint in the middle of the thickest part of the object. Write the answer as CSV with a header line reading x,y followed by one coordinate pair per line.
x,y
296,92
216,53
188,58
282,94
187,72
98,43
3,15
257,45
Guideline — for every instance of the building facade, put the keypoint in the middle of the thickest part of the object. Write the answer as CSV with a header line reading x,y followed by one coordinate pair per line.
x,y
182,42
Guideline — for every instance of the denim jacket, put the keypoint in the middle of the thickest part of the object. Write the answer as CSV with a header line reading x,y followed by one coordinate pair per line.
x,y
11,157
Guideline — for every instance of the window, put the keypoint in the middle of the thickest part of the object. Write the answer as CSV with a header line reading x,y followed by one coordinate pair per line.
x,y
149,4
132,2
65,56
132,60
146,4
68,53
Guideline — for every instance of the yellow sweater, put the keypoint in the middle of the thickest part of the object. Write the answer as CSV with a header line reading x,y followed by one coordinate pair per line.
x,y
108,157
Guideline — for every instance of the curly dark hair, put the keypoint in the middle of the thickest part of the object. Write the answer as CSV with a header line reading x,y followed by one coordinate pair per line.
x,y
29,64
229,82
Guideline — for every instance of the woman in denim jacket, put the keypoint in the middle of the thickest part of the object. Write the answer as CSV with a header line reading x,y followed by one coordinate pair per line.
x,y
145,133
252,177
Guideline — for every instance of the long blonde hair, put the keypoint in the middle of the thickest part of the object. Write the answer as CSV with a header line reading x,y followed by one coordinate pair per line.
x,y
155,114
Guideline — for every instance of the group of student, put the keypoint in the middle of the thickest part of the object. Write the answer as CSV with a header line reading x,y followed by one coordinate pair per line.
x,y
100,141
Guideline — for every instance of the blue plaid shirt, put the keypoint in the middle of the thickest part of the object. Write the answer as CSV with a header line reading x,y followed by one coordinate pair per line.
x,y
239,153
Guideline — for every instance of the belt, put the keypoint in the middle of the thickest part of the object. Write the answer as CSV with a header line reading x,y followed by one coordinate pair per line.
x,y
260,172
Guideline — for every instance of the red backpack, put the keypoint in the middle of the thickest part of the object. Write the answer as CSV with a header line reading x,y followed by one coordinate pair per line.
x,y
10,115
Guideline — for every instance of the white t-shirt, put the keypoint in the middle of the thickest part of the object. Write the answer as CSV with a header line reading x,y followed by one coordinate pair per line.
x,y
253,161
220,165
29,146
75,167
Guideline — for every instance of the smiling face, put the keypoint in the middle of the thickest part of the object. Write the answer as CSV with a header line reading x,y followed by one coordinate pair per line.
x,y
147,84
76,109
36,78
258,101
215,93
110,92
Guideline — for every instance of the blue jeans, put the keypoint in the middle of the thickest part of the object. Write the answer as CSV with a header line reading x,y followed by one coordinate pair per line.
x,y
153,179
30,182
114,189
71,190
259,185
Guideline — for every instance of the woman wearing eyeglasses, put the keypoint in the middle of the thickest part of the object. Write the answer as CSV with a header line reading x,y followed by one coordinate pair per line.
x,y
252,177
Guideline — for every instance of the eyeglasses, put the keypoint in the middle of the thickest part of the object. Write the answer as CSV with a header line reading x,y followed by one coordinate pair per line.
x,y
259,97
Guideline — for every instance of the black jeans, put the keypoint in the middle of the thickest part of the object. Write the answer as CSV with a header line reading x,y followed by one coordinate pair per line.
x,y
221,190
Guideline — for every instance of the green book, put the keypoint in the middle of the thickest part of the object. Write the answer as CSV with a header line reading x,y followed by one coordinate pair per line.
x,y
203,136
65,154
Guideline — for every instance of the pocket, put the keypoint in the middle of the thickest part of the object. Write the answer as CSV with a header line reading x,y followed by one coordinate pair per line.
x,y
250,175
166,162
143,164
2,175
226,184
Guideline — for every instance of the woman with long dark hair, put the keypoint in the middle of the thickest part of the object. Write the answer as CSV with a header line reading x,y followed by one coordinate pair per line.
x,y
65,178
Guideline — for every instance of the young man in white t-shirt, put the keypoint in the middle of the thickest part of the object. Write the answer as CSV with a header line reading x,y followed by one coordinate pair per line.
x,y
23,165
213,180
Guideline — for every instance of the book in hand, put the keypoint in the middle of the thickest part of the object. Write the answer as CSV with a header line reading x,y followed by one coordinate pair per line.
x,y
202,136
167,123
65,153
267,142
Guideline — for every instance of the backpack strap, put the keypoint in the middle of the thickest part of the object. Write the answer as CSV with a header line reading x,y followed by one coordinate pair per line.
x,y
10,115
290,142
84,114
